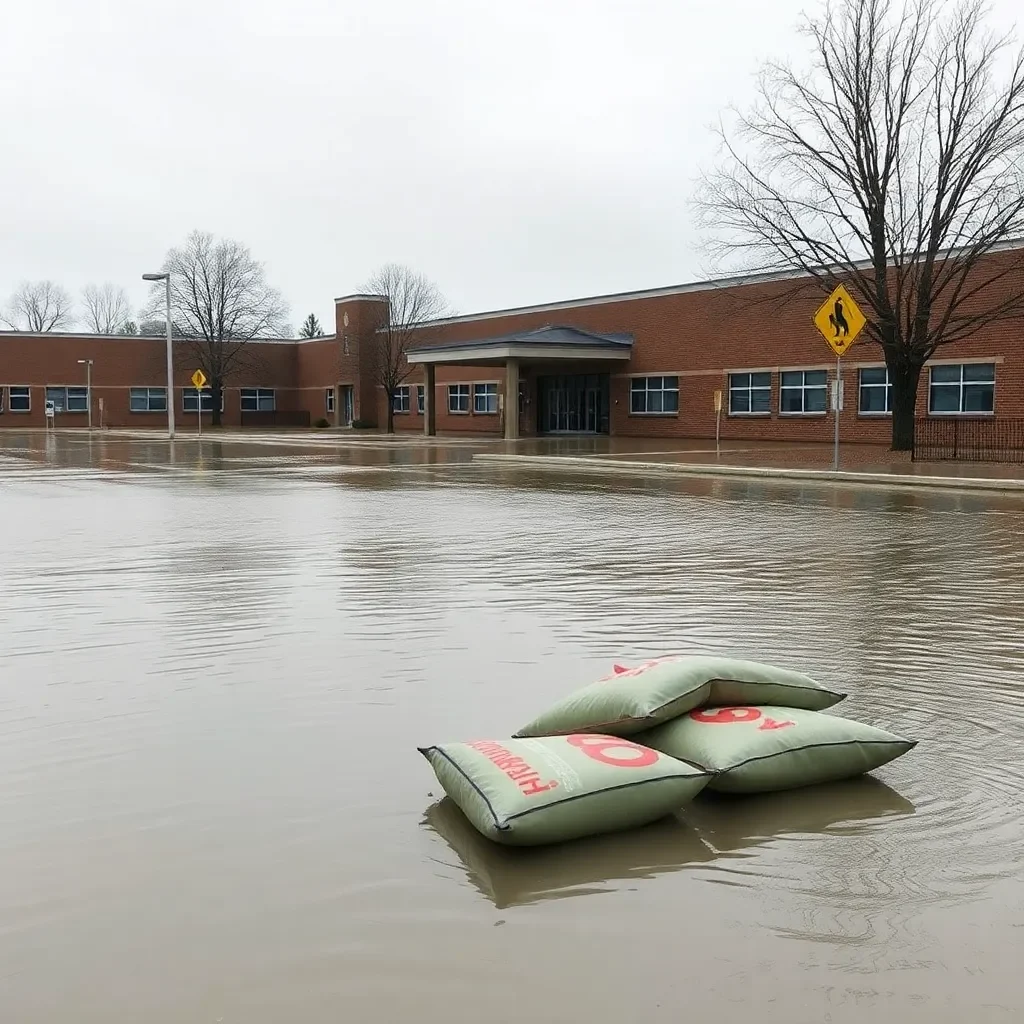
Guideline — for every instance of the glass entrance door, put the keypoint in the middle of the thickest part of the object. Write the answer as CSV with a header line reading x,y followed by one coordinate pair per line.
x,y
574,403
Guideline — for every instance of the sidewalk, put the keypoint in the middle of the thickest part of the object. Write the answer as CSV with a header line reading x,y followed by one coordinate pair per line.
x,y
859,464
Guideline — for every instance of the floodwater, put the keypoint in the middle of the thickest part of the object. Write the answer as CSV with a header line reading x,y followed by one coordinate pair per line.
x,y
214,673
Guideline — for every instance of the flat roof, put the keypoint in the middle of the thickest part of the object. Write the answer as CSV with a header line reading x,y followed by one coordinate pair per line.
x,y
708,284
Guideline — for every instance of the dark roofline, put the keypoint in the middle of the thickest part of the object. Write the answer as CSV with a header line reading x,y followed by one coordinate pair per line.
x,y
587,338
161,338
710,284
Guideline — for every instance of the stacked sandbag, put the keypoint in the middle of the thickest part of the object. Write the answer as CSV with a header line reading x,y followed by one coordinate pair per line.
x,y
526,792
733,725
768,748
631,700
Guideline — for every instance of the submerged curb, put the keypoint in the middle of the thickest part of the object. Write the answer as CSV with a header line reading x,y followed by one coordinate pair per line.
x,y
951,483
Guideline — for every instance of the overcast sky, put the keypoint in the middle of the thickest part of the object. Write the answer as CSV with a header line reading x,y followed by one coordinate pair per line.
x,y
514,152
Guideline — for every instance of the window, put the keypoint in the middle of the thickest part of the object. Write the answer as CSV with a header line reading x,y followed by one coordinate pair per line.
x,y
68,399
421,392
802,391
458,398
147,399
875,391
20,399
258,399
400,401
750,393
962,388
654,394
485,398
190,400
329,396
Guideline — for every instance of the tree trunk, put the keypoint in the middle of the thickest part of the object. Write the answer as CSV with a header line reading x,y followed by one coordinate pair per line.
x,y
904,376
391,411
216,393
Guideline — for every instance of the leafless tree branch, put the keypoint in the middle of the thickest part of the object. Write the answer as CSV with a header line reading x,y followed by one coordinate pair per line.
x,y
39,306
220,302
411,302
107,309
894,165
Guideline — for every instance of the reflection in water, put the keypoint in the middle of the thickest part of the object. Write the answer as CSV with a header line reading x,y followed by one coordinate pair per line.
x,y
514,877
214,675
704,830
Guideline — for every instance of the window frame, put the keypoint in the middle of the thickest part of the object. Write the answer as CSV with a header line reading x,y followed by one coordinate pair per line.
x,y
483,389
257,394
647,391
207,406
329,400
861,386
421,398
67,389
962,386
455,391
803,388
27,388
401,401
147,410
749,389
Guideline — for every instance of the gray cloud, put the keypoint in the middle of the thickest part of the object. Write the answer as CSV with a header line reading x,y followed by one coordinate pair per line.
x,y
514,152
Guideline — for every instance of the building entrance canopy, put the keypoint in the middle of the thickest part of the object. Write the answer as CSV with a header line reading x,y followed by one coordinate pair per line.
x,y
551,345
540,345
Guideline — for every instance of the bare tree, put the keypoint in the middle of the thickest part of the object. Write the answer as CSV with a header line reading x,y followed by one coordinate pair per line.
x,y
411,302
220,301
39,306
892,165
106,308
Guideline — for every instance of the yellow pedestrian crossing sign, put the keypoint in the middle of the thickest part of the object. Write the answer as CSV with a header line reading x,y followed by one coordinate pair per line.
x,y
199,379
840,320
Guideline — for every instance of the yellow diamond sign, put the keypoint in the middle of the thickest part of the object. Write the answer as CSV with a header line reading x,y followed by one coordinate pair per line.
x,y
840,321
199,379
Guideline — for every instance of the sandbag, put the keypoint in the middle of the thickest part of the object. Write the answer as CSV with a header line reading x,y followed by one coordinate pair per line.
x,y
535,791
629,700
768,748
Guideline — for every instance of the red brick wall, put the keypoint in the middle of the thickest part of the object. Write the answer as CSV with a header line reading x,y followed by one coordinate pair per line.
x,y
698,335
51,360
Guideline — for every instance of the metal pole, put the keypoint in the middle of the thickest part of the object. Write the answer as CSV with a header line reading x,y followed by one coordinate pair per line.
x,y
835,405
718,430
170,365
199,414
88,389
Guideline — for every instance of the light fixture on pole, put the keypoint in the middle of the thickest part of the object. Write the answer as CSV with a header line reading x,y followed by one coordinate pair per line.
x,y
87,363
166,278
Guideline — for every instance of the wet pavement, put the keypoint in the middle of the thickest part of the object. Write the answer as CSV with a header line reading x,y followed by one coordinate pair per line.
x,y
215,669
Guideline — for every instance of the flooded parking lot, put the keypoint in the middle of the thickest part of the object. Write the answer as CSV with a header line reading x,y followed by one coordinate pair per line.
x,y
215,670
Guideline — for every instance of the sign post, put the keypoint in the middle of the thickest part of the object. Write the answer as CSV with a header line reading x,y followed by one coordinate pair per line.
x,y
199,380
839,320
50,411
718,421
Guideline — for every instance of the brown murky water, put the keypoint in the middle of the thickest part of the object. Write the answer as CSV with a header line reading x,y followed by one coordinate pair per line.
x,y
213,676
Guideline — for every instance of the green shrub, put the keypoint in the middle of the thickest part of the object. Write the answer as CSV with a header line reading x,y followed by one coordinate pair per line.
x,y
322,423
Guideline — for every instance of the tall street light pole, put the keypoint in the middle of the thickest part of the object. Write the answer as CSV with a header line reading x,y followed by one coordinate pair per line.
x,y
87,363
166,278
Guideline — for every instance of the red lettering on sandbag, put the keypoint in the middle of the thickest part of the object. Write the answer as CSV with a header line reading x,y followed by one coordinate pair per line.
x,y
517,769
770,723
720,716
533,787
596,747
618,671
726,715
